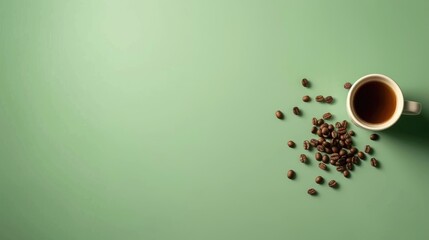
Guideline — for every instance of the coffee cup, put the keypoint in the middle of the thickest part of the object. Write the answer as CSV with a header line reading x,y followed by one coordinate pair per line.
x,y
375,102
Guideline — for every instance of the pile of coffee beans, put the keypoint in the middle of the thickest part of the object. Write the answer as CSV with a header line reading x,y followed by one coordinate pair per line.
x,y
333,143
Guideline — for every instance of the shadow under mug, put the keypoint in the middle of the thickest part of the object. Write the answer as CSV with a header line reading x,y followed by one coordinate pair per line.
x,y
370,104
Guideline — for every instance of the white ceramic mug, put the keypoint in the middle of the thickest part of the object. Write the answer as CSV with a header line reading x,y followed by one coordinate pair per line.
x,y
402,107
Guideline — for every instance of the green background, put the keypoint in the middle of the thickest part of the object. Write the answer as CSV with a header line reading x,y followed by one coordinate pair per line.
x,y
155,119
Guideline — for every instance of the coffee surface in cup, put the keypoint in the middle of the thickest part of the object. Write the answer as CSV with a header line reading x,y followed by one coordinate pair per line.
x,y
374,102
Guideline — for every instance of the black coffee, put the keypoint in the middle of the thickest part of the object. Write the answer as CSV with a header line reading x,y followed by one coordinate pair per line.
x,y
374,102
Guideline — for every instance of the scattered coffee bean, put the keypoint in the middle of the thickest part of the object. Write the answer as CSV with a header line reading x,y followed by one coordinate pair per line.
x,y
305,82
291,174
335,156
320,122
351,133
320,98
374,162
341,168
329,99
327,116
314,142
303,158
318,156
323,166
314,130
312,191
374,136
279,115
325,158
349,165
346,173
361,155
353,150
320,148
355,160
368,149
334,134
343,152
347,85
296,111
344,124
291,144
331,127
332,184
319,179
314,121
306,145
306,98
325,131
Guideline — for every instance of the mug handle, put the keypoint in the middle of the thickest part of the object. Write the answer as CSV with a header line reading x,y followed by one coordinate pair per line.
x,y
412,108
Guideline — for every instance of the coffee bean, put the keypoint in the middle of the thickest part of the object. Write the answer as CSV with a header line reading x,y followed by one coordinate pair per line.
x,y
355,160
374,136
335,149
332,162
347,85
306,98
326,144
349,166
320,148
314,142
324,125
303,158
319,179
361,155
291,174
305,82
314,121
331,127
338,125
328,150
348,141
291,144
353,150
327,116
320,122
351,133
325,131
332,184
296,111
340,168
329,99
374,162
343,152
321,140
318,156
341,130
319,132
346,173
320,98
314,130
280,115
334,134
312,191
306,145
323,166
325,158
368,149
344,124
335,156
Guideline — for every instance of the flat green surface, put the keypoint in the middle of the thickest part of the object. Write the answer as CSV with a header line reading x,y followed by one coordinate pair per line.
x,y
155,119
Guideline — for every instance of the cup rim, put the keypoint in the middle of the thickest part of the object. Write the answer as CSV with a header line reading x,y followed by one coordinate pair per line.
x,y
399,102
